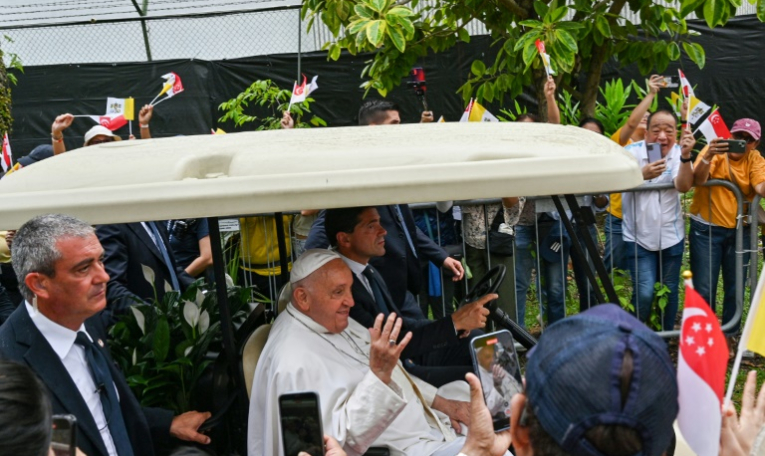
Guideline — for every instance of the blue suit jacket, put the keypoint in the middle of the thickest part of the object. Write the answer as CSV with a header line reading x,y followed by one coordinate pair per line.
x,y
22,342
399,267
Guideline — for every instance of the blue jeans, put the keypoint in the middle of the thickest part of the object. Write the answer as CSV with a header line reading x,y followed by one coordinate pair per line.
x,y
707,258
553,286
647,268
615,251
587,297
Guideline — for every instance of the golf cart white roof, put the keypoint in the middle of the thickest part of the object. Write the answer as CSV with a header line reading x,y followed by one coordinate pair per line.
x,y
260,172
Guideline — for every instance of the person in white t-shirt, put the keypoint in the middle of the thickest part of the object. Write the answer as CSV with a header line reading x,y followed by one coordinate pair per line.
x,y
653,221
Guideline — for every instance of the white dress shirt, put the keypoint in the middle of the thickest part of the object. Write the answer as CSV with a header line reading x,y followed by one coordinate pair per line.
x,y
61,340
358,270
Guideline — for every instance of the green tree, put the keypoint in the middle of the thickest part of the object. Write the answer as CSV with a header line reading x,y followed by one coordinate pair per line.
x,y
6,80
580,36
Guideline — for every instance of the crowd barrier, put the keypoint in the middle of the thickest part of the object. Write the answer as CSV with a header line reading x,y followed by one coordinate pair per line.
x,y
451,293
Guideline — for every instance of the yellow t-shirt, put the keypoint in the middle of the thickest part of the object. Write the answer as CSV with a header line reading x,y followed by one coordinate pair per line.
x,y
615,206
259,247
747,173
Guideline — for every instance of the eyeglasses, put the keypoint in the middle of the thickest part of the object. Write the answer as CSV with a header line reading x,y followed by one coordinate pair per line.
x,y
746,138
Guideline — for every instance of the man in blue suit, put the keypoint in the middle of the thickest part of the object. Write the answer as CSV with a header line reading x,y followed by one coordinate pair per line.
x,y
59,262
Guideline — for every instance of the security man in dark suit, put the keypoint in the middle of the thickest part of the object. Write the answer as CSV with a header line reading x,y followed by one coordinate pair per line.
x,y
440,348
128,249
59,262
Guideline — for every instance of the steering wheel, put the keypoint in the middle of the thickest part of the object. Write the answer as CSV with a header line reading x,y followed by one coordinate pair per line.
x,y
489,283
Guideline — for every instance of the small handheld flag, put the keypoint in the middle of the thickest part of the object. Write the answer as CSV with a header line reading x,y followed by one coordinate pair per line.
x,y
7,158
301,92
545,57
172,87
701,366
714,127
685,85
696,110
477,113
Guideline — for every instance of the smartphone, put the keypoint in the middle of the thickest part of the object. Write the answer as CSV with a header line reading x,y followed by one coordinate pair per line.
x,y
300,419
64,438
736,146
495,363
669,82
654,152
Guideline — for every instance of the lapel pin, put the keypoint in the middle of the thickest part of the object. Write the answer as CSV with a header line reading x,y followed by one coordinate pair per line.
x,y
100,343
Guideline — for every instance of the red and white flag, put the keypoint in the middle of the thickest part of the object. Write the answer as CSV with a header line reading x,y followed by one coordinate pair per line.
x,y
685,85
714,127
701,366
466,115
7,158
172,87
545,57
112,122
301,92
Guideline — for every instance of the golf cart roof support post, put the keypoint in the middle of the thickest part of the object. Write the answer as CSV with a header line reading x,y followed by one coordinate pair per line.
x,y
282,244
227,325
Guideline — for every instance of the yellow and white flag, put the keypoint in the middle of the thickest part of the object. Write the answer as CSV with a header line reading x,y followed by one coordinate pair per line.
x,y
477,113
696,110
123,106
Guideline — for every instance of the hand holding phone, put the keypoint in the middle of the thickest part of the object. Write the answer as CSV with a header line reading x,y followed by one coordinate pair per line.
x,y
300,419
495,363
735,146
64,438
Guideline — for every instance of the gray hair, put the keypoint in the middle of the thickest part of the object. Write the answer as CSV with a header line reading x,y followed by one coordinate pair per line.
x,y
34,246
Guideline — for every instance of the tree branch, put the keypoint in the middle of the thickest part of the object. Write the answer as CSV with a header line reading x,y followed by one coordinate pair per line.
x,y
515,8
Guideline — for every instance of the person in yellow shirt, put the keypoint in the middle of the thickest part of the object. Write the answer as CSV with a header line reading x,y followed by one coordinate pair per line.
x,y
259,253
714,213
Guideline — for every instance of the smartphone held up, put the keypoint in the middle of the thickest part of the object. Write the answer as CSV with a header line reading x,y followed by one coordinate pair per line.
x,y
64,437
495,363
301,427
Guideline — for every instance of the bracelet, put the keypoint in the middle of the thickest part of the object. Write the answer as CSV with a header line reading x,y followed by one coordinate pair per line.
x,y
144,126
704,160
55,139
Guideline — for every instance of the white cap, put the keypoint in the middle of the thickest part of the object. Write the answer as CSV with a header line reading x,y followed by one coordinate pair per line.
x,y
309,262
99,130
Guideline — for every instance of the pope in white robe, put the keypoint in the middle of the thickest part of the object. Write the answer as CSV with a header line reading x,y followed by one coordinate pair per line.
x,y
315,346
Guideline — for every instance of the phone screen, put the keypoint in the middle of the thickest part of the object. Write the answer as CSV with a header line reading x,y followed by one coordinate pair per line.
x,y
496,364
63,440
300,417
654,152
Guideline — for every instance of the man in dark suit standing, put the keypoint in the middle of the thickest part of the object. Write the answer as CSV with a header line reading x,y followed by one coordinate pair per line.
x,y
58,260
129,248
440,348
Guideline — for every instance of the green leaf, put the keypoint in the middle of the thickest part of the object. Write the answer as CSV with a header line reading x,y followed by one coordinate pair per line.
x,y
357,26
378,5
334,52
161,344
530,23
714,10
478,68
525,39
364,11
529,53
397,37
464,35
376,32
566,39
558,13
761,10
673,51
695,53
541,9
601,23
488,92
735,3
399,11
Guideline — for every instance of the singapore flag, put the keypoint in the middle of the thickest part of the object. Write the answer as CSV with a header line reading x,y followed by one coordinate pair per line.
x,y
701,367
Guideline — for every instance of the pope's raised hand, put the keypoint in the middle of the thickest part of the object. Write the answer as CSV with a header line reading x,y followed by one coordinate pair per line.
x,y
385,352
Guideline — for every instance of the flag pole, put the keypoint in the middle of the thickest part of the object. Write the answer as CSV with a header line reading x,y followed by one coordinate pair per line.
x,y
130,127
160,101
155,99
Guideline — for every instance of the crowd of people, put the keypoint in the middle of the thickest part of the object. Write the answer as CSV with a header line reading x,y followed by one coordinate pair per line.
x,y
371,325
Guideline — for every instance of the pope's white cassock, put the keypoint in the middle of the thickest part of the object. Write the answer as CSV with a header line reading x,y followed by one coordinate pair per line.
x,y
357,408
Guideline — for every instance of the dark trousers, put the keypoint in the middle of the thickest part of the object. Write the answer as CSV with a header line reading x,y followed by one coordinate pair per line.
x,y
446,365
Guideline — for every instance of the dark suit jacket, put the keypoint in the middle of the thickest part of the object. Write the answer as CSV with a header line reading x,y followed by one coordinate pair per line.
x,y
399,267
6,305
127,246
22,342
427,335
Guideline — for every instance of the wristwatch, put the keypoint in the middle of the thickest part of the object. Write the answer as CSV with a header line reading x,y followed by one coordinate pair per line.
x,y
686,160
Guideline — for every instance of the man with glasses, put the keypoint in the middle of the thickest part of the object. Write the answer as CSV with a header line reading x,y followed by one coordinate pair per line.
x,y
714,213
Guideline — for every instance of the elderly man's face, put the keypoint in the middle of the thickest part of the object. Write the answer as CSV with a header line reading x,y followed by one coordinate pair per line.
x,y
329,299
662,130
77,290
486,357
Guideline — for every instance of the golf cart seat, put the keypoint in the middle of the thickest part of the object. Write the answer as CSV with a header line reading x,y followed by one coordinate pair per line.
x,y
251,354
